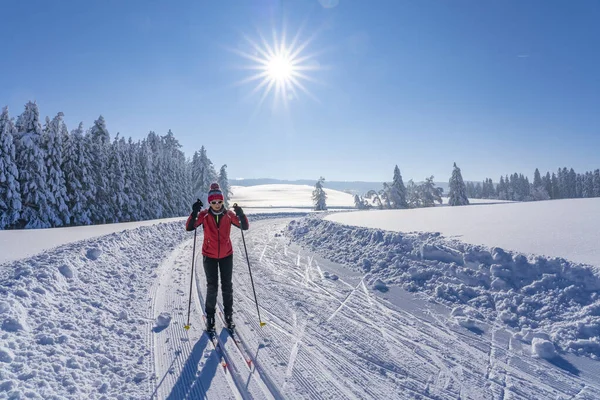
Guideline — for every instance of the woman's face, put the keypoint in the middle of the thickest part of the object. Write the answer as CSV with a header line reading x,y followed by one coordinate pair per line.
x,y
216,204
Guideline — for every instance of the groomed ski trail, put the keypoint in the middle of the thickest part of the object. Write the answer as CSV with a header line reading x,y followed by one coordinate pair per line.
x,y
330,336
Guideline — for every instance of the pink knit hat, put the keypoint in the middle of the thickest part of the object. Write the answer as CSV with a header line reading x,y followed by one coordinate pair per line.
x,y
215,192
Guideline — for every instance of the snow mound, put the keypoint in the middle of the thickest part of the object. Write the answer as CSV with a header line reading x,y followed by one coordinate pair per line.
x,y
543,348
93,253
66,271
331,276
163,320
82,337
526,292
6,356
380,285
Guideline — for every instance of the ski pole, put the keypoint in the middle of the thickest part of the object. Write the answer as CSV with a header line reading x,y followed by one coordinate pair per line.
x,y
187,326
251,280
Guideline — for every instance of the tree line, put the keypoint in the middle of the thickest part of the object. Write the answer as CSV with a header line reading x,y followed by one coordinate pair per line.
x,y
397,195
52,177
564,184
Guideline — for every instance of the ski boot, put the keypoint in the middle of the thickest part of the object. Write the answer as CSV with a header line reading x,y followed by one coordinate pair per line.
x,y
210,324
229,322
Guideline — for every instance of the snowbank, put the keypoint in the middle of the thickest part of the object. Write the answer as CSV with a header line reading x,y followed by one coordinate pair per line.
x,y
74,320
538,294
558,228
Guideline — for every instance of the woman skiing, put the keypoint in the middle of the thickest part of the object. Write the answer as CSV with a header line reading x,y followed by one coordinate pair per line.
x,y
217,251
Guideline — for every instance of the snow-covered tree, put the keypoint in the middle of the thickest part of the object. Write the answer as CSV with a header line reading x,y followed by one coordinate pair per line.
x,y
223,182
57,189
100,149
375,198
133,184
77,170
537,179
397,191
413,195
10,190
203,174
30,157
116,180
597,183
359,202
148,186
457,191
319,196
429,193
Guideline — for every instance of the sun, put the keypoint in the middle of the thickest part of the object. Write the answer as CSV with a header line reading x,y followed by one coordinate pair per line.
x,y
281,69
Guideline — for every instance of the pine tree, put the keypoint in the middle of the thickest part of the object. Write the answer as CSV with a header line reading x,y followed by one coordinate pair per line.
x,y
148,187
429,193
100,150
597,183
537,179
397,191
319,196
375,198
77,171
32,172
203,174
555,186
10,189
359,202
413,195
57,190
224,184
116,180
457,192
133,185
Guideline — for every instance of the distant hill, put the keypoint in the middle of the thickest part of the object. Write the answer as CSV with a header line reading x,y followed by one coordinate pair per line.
x,y
352,187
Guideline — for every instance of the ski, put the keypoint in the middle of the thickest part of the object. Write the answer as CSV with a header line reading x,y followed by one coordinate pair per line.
x,y
237,341
212,336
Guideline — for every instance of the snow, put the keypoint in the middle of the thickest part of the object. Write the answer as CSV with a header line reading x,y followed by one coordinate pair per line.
x,y
543,348
18,244
558,228
280,195
543,294
351,312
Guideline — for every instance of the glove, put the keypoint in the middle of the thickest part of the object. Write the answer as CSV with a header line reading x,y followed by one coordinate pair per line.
x,y
238,210
197,206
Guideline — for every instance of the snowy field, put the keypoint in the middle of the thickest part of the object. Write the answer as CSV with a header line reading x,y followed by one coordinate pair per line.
x,y
560,228
352,313
267,196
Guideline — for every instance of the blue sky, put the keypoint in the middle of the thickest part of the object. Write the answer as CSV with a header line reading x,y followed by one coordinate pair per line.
x,y
498,87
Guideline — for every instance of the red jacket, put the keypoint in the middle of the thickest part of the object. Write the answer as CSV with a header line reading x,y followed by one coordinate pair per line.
x,y
217,243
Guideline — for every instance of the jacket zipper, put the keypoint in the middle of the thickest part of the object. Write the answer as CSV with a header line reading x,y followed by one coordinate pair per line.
x,y
218,239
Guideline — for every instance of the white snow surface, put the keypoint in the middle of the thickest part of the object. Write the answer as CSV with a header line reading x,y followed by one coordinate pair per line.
x,y
351,313
17,244
546,295
283,195
561,228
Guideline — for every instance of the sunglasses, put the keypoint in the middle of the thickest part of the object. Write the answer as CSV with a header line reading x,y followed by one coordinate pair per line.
x,y
216,202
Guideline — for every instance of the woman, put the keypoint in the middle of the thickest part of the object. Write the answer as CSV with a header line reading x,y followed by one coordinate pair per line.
x,y
217,251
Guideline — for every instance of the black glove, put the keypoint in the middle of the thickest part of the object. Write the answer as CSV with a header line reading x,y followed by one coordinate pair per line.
x,y
238,210
197,206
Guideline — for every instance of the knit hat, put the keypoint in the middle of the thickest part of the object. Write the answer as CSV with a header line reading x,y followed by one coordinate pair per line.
x,y
215,192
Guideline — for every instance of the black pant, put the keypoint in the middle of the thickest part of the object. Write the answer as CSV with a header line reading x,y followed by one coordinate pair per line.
x,y
211,269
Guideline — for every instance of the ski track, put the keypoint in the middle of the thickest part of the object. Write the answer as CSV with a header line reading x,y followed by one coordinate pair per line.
x,y
332,339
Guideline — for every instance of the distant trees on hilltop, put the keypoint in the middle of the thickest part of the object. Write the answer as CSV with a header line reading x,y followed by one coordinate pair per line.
x,y
51,177
565,184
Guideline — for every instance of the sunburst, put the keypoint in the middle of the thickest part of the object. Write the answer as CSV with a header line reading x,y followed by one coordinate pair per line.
x,y
282,69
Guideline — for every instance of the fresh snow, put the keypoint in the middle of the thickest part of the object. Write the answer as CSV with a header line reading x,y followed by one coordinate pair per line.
x,y
351,312
560,228
277,195
17,244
